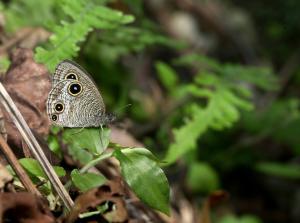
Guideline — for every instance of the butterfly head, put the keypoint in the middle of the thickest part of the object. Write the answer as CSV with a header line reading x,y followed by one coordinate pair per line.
x,y
110,118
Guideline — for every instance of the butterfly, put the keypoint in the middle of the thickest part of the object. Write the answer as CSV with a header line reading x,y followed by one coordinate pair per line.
x,y
74,100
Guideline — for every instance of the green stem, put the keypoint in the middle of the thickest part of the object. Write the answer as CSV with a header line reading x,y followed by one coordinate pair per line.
x,y
89,165
95,161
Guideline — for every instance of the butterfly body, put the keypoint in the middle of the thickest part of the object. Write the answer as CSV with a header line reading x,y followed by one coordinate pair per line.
x,y
75,100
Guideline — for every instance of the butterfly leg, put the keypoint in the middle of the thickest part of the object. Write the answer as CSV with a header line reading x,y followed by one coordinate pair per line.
x,y
80,130
101,136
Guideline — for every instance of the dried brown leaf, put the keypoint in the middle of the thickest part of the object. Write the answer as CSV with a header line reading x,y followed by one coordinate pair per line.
x,y
111,193
28,83
23,208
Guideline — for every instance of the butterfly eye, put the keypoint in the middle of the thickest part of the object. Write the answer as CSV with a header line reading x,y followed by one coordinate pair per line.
x,y
59,107
71,76
54,118
75,89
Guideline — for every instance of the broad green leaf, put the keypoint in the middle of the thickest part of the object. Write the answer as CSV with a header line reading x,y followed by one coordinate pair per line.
x,y
141,152
95,140
291,171
146,178
86,181
202,177
33,167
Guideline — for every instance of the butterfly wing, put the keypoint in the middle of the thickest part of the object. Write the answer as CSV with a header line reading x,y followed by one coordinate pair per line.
x,y
73,103
68,69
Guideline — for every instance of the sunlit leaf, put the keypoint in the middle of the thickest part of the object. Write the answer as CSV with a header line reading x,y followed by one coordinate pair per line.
x,y
32,166
95,140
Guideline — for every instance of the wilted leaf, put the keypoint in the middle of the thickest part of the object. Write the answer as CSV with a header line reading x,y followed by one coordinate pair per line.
x,y
111,193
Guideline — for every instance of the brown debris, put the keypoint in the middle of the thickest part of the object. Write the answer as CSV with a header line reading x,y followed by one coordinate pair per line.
x,y
110,193
5,177
23,208
213,200
27,37
28,83
123,138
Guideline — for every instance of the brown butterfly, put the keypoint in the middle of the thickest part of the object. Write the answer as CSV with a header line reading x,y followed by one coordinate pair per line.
x,y
75,100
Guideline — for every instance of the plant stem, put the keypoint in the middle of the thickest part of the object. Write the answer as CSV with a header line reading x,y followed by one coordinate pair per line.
x,y
95,161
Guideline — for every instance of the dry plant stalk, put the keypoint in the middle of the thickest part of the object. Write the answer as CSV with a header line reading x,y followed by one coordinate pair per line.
x,y
13,161
34,146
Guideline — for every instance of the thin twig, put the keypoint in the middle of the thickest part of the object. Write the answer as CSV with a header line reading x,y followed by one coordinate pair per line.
x,y
13,161
34,146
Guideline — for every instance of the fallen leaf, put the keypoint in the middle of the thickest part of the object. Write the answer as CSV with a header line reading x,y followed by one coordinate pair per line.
x,y
23,207
28,83
110,193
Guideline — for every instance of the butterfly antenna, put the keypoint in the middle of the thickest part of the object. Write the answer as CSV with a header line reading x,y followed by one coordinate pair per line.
x,y
120,109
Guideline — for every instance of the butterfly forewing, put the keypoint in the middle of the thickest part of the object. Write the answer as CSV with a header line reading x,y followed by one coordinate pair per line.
x,y
74,100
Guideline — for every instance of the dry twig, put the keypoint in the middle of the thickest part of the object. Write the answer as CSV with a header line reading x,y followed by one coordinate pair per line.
x,y
34,146
13,161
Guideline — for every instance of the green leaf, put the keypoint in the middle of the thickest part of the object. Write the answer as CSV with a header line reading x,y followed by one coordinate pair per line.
x,y
202,177
54,146
86,181
146,178
33,167
95,140
141,152
167,75
291,171
4,64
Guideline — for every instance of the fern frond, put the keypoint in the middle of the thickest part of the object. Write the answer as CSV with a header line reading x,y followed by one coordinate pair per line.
x,y
86,16
222,111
